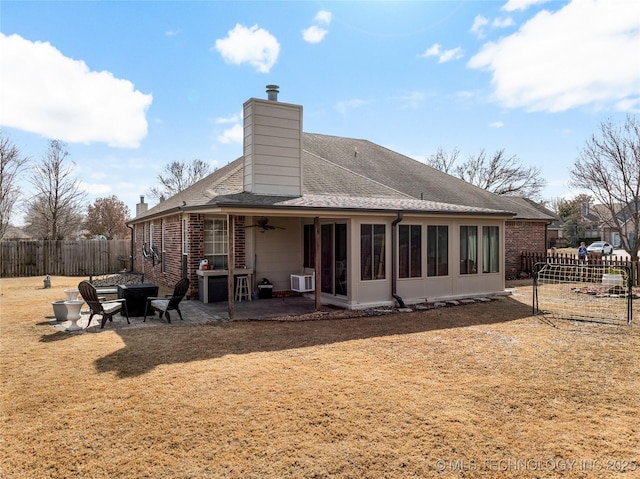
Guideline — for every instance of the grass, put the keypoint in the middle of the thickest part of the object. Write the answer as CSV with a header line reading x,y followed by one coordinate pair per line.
x,y
483,390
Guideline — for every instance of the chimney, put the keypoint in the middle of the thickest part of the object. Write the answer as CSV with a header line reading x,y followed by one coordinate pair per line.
x,y
141,207
272,92
272,146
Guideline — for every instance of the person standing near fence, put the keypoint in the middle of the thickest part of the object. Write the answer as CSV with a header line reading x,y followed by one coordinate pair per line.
x,y
582,253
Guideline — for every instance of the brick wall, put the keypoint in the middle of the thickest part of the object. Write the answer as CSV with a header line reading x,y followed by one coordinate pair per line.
x,y
522,236
240,258
173,257
170,253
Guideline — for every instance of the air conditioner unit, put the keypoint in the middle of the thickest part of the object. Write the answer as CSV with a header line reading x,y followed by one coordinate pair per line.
x,y
303,283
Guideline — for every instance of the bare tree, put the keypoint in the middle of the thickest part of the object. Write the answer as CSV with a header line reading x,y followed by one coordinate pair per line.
x,y
443,161
609,167
55,209
554,204
12,164
501,174
107,217
179,176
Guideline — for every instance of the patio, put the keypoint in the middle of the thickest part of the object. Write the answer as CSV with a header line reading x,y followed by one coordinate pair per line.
x,y
196,312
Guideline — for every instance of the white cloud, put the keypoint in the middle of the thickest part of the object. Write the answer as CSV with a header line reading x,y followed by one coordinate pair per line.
x,y
343,106
443,55
451,54
46,93
323,17
503,22
480,22
432,51
478,26
235,134
496,124
254,45
512,5
314,34
231,119
555,63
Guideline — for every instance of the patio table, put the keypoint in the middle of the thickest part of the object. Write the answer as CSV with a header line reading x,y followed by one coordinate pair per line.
x,y
135,296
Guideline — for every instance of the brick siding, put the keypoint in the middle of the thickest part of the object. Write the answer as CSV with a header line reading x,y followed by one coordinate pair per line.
x,y
152,267
522,236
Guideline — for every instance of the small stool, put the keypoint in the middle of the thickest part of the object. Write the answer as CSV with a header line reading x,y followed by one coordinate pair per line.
x,y
242,288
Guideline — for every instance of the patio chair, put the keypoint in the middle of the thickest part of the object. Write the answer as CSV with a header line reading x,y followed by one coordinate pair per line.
x,y
97,305
170,303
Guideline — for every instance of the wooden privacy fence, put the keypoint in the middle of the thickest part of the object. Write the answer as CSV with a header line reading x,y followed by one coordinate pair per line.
x,y
528,260
63,258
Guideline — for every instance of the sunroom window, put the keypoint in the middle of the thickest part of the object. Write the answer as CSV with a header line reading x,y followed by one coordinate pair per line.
x,y
410,251
437,250
490,249
468,249
372,252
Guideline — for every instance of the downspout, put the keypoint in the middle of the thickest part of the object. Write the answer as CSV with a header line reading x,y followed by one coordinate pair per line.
x,y
132,248
394,250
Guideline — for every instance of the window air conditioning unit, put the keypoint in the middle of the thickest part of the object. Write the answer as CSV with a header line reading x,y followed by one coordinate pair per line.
x,y
303,283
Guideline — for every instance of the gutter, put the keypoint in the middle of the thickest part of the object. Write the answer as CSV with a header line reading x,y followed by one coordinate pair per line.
x,y
132,248
142,219
394,249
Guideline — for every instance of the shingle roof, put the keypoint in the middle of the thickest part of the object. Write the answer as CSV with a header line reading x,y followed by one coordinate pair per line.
x,y
346,173
408,175
342,202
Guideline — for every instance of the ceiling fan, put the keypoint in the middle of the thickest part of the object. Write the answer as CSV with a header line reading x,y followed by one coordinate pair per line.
x,y
263,224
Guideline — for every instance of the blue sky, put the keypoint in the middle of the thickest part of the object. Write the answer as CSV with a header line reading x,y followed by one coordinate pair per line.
x,y
131,86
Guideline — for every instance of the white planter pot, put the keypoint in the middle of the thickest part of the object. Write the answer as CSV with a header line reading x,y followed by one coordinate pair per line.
x,y
73,314
60,310
66,310
72,294
611,280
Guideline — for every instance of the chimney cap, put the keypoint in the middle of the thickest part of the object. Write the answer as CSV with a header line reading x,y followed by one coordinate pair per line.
x,y
272,92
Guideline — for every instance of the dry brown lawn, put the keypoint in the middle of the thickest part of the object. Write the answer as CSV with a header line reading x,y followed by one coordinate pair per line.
x,y
483,390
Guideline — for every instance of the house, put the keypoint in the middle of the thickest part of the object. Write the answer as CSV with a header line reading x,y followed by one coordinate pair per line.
x,y
362,225
626,222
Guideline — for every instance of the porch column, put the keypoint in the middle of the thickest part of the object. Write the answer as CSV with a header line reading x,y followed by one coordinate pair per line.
x,y
231,258
316,228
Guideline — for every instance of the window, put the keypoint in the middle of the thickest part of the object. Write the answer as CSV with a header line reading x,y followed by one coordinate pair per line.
x,y
215,243
372,252
309,260
185,246
490,249
468,249
185,237
163,245
437,250
409,251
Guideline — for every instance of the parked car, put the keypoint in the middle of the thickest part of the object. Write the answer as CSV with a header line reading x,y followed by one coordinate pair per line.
x,y
600,247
